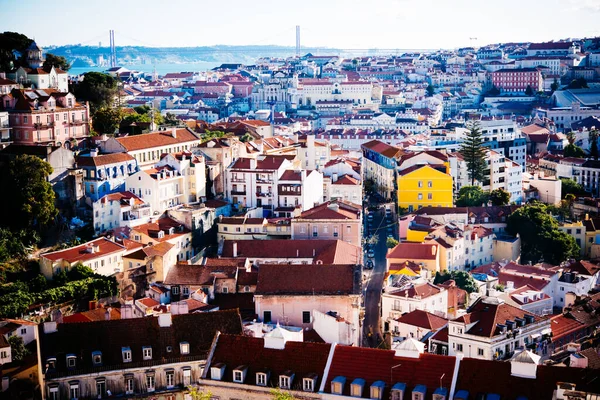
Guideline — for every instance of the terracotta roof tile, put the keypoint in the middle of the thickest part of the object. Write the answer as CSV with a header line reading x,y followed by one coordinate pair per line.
x,y
413,251
101,247
157,139
423,319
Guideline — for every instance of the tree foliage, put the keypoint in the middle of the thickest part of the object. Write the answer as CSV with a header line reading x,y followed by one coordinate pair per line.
x,y
107,119
494,91
430,90
197,394
499,197
171,120
463,279
31,200
391,243
540,237
569,186
471,196
474,153
12,50
279,394
209,135
555,85
18,350
57,62
579,83
594,143
98,88
572,150
529,91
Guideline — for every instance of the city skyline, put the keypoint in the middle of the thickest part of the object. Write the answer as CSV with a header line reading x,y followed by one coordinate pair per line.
x,y
388,24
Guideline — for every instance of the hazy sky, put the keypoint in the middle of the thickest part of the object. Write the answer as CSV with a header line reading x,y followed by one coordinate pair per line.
x,y
351,24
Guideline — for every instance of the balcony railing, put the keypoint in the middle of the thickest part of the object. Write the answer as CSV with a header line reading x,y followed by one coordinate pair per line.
x,y
78,121
45,125
238,192
264,194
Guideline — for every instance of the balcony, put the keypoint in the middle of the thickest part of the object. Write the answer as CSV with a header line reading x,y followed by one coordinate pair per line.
x,y
238,192
264,194
238,179
47,125
79,121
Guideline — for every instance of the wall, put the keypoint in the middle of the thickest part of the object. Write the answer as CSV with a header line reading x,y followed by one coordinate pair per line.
x,y
333,331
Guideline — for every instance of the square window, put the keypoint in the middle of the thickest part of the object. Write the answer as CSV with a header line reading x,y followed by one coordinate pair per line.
x,y
306,317
261,379
184,347
147,353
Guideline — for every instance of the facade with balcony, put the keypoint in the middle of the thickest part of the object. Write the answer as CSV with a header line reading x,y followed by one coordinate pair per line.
x,y
105,173
118,210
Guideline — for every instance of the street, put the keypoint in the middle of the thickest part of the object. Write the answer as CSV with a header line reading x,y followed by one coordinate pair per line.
x,y
374,284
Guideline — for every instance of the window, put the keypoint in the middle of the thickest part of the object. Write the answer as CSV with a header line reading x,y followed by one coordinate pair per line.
x,y
267,316
238,376
147,352
306,317
420,196
459,347
420,184
150,383
175,290
480,352
101,388
184,348
126,352
315,231
261,379
71,361
308,385
187,377
429,196
97,358
170,379
129,384
53,393
335,232
284,382
74,390
430,184
23,331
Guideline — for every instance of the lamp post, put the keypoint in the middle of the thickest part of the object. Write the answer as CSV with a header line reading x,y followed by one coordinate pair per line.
x,y
392,371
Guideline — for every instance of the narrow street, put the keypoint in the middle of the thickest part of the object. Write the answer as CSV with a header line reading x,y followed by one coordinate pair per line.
x,y
374,284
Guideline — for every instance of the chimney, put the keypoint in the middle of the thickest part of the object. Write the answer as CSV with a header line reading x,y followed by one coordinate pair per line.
x,y
164,320
93,152
50,327
333,206
235,252
253,163
174,132
127,311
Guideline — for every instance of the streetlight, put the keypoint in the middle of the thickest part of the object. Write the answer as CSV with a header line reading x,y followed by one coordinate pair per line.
x,y
391,372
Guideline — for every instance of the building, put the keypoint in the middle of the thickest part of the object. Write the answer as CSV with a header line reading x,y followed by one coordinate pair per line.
x,y
149,148
424,254
299,188
38,76
493,330
105,173
517,80
119,209
334,220
103,256
168,230
26,330
311,92
417,324
129,357
424,185
288,294
47,117
379,166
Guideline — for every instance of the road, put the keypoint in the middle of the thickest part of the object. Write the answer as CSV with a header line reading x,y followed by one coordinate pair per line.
x,y
374,284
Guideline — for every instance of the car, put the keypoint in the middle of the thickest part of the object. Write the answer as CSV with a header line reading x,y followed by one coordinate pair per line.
x,y
371,253
369,264
370,217
388,211
389,229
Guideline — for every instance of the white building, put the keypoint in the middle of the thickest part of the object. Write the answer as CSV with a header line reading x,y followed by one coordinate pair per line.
x,y
313,91
165,230
119,209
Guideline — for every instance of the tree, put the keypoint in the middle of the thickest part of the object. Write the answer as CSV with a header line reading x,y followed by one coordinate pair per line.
x,y
471,196
196,394
107,120
529,91
79,271
540,237
579,83
572,150
57,62
474,153
279,394
571,137
594,143
13,48
246,138
499,197
430,90
569,186
98,88
463,279
171,120
31,200
391,243
17,348
554,87
494,91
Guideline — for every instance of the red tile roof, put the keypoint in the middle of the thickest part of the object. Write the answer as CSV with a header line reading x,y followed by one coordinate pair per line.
x,y
413,251
346,180
308,279
269,162
101,247
422,291
157,139
99,314
163,224
383,148
423,319
199,275
328,210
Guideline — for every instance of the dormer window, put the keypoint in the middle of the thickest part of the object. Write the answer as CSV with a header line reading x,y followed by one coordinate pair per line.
x,y
161,234
286,379
97,358
239,374
356,387
419,392
171,230
309,382
126,352
184,348
262,378
337,385
147,352
398,391
51,363
377,390
71,361
440,393
217,371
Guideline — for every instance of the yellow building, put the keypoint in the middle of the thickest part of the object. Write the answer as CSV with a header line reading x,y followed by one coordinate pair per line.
x,y
424,185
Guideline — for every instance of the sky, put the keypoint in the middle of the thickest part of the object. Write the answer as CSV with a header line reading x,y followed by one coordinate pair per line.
x,y
347,24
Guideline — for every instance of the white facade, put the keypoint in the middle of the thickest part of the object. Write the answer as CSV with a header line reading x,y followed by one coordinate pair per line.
x,y
161,190
394,303
111,212
357,92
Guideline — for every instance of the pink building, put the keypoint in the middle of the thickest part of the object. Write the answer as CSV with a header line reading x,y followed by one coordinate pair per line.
x,y
46,117
202,87
517,80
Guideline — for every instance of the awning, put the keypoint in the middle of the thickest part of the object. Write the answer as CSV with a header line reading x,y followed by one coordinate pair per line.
x,y
536,336
547,331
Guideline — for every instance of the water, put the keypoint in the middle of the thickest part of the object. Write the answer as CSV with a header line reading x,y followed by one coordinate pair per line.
x,y
161,68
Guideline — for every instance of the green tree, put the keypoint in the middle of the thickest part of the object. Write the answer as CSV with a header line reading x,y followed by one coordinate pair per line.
x,y
17,348
540,237
197,394
107,120
572,150
79,271
471,196
98,88
463,280
499,197
474,153
571,137
279,394
171,120
11,44
31,200
430,90
554,87
246,138
579,83
569,186
57,62
494,91
391,243
38,284
529,91
594,143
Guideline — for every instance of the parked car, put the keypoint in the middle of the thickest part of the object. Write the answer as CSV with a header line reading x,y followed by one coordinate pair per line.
x,y
370,217
371,253
369,264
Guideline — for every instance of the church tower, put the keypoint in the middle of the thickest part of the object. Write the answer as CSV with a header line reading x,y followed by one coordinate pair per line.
x,y
35,58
